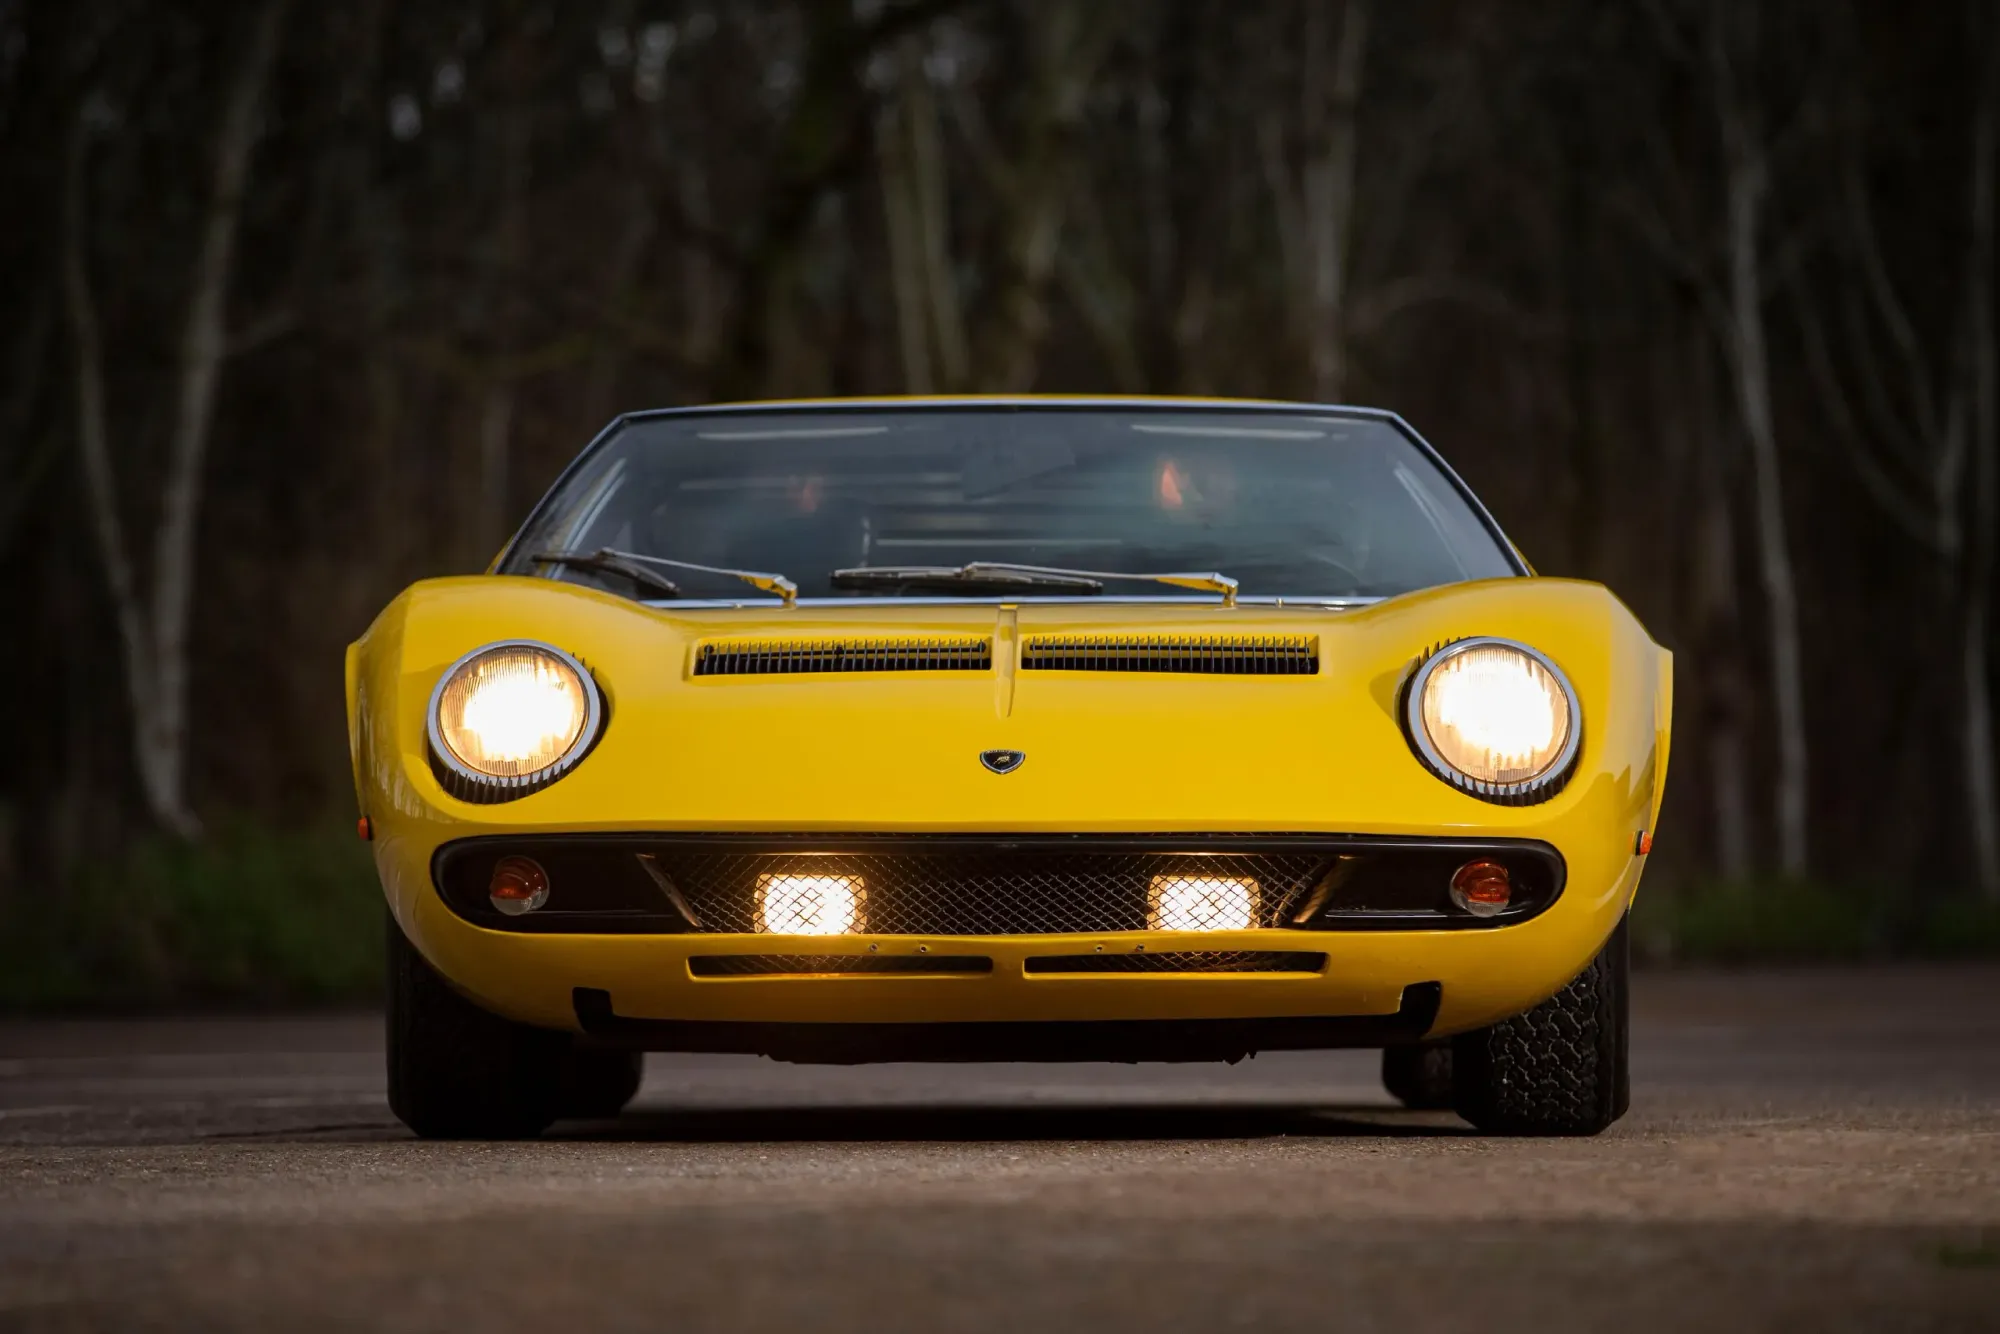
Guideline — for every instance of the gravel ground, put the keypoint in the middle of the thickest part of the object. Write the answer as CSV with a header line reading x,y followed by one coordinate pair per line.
x,y
1813,1150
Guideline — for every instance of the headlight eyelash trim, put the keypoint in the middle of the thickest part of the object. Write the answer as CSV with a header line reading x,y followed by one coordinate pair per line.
x,y
468,784
1526,792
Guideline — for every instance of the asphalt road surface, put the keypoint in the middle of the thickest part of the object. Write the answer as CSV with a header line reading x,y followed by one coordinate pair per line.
x,y
1809,1151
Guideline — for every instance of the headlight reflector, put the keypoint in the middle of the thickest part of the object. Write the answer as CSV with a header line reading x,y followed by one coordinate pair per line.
x,y
1496,719
510,718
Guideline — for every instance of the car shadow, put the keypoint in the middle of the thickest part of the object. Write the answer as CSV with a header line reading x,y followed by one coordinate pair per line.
x,y
850,1124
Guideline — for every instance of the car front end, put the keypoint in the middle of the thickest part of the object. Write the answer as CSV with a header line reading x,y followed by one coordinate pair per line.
x,y
1010,823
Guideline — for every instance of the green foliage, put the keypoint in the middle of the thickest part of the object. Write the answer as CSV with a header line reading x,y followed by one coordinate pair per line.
x,y
247,916
1976,1255
1790,921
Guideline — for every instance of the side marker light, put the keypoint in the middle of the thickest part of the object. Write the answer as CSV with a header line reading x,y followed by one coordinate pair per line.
x,y
1482,888
519,885
1643,844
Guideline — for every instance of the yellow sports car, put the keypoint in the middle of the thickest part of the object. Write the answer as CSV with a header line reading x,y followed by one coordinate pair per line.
x,y
1007,729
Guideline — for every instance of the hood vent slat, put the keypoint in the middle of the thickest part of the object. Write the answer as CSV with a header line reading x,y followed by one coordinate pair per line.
x,y
794,657
1218,655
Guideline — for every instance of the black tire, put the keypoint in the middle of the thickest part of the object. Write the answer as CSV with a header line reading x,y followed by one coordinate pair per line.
x,y
457,1071
598,1084
1418,1075
1563,1068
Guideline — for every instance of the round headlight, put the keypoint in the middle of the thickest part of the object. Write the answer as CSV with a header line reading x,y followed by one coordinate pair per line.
x,y
510,718
1495,719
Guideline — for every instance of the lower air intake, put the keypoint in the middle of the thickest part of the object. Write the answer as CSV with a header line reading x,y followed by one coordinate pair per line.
x,y
1183,961
820,965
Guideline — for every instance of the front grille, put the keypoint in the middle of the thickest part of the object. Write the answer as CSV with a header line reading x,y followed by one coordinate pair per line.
x,y
784,657
1219,655
908,888
781,965
1182,961
825,884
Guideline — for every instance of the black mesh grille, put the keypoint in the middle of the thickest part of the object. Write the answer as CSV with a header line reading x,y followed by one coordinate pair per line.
x,y
987,884
1221,655
778,657
1183,961
773,965
911,889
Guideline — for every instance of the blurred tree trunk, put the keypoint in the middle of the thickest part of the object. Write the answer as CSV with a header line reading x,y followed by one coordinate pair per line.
x,y
506,252
154,631
1983,515
1033,181
25,454
1315,199
909,145
1724,695
819,148
1746,190
378,230
621,273
1919,429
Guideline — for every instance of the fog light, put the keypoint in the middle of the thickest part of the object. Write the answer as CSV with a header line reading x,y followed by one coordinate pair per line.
x,y
1201,903
808,905
1482,888
519,885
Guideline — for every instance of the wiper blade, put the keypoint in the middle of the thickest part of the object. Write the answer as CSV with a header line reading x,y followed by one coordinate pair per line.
x,y
611,563
868,576
634,565
1051,576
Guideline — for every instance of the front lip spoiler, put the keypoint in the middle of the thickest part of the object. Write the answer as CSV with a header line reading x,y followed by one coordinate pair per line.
x,y
1009,1040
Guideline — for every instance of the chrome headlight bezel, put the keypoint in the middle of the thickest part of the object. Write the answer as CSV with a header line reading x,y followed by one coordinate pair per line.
x,y
1526,792
469,784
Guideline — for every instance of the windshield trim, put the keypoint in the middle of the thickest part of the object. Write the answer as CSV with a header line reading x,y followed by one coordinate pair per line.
x,y
1021,403
1285,602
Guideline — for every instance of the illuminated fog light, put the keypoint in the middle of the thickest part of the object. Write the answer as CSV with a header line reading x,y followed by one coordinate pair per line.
x,y
1201,903
1482,888
808,905
519,885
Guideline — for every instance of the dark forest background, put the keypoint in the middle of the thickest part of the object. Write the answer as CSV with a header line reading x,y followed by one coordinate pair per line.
x,y
301,302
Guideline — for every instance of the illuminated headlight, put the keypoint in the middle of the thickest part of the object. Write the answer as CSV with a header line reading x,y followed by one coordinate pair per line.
x,y
1495,719
508,719
809,905
1201,903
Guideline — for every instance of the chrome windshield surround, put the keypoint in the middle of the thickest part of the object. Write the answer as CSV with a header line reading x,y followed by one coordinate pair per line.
x,y
1028,403
1529,792
1284,602
468,784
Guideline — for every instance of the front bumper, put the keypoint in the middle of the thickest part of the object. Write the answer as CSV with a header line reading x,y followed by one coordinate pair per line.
x,y
1363,987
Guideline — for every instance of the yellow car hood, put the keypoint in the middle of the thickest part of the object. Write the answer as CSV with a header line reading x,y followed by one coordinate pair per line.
x,y
899,750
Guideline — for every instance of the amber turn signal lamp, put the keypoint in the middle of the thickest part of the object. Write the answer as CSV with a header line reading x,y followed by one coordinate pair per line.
x,y
1482,888
366,828
1644,843
519,885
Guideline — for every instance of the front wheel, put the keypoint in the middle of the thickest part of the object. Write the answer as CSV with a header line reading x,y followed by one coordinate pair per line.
x,y
1418,1075
598,1084
1562,1068
457,1071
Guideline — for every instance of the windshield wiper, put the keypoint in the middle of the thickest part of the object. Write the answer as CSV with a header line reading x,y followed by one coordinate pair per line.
x,y
934,576
1026,576
634,566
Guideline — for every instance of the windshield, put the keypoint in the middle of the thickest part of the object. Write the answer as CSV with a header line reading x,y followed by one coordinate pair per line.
x,y
1306,505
